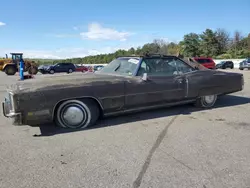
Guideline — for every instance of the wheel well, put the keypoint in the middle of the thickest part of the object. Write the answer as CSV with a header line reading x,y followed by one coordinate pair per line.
x,y
82,98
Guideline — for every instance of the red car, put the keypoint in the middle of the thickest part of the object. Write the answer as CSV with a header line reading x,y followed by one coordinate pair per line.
x,y
81,68
206,62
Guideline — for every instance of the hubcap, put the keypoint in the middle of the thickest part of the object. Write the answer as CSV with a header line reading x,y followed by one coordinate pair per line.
x,y
73,116
209,99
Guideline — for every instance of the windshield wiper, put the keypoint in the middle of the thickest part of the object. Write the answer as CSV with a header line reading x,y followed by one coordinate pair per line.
x,y
117,67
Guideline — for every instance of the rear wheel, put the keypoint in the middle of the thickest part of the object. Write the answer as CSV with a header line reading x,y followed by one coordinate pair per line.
x,y
207,101
10,70
75,114
70,71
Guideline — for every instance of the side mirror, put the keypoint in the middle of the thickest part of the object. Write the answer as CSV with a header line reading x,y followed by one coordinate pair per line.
x,y
145,77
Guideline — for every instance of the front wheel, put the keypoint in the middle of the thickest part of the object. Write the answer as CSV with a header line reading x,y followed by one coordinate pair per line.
x,y
207,101
51,71
75,114
10,70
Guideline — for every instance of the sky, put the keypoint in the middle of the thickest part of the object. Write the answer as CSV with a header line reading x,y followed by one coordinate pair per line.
x,y
77,28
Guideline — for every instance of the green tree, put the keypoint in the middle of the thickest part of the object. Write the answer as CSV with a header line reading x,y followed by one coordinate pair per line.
x,y
209,43
248,42
173,49
191,45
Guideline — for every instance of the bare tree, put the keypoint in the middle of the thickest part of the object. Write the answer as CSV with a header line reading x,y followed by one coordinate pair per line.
x,y
223,38
236,41
163,46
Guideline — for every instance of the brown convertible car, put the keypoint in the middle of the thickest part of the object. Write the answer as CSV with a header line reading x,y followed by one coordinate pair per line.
x,y
126,84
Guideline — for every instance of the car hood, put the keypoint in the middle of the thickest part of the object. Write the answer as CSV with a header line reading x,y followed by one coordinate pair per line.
x,y
63,81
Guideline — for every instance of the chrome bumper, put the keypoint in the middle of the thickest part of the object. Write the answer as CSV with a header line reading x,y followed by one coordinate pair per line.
x,y
16,117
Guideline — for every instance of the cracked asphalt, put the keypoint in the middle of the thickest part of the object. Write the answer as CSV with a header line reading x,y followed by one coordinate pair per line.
x,y
173,147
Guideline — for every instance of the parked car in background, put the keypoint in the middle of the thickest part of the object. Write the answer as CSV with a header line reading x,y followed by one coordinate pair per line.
x,y
90,69
245,64
98,67
81,68
61,67
126,84
43,68
206,62
225,64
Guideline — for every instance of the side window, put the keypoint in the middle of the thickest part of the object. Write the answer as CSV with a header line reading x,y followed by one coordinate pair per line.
x,y
208,61
164,67
201,61
182,67
157,67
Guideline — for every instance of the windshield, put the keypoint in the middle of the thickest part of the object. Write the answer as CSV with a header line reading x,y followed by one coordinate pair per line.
x,y
122,66
221,62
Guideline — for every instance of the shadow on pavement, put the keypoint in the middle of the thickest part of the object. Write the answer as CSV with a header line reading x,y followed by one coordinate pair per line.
x,y
223,101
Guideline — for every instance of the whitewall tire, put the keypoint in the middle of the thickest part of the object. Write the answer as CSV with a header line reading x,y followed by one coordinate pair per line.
x,y
207,101
75,114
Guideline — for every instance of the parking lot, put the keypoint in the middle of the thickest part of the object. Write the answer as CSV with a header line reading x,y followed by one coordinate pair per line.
x,y
172,147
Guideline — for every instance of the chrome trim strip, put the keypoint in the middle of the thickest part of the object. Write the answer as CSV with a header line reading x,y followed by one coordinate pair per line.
x,y
12,114
142,93
187,87
149,107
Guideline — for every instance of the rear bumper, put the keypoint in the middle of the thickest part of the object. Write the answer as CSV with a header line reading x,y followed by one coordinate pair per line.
x,y
15,117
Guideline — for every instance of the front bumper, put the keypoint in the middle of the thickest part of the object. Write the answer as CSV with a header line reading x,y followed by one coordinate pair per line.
x,y
9,113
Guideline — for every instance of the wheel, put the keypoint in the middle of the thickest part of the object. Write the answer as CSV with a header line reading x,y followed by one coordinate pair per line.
x,y
70,71
232,67
241,68
32,70
75,114
51,71
207,101
10,70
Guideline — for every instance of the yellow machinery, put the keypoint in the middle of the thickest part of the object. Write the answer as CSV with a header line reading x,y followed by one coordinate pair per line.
x,y
11,65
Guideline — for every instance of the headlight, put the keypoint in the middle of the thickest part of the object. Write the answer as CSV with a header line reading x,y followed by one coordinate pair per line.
x,y
9,100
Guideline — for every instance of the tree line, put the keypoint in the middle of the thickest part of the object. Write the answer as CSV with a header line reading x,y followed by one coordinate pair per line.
x,y
216,44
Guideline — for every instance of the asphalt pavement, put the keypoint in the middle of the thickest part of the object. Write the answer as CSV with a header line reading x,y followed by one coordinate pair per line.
x,y
174,147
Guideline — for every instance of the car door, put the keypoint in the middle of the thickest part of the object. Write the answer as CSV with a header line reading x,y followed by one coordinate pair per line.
x,y
248,63
163,84
65,67
57,67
